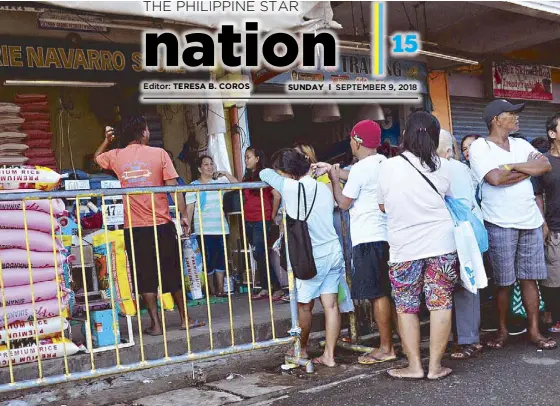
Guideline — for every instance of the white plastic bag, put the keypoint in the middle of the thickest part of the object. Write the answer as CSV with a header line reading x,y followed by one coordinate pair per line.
x,y
345,302
473,275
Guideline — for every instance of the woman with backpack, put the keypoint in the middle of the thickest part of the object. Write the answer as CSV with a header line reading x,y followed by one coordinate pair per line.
x,y
312,203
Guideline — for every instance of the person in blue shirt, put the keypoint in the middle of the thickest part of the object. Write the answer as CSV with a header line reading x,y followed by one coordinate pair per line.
x,y
290,170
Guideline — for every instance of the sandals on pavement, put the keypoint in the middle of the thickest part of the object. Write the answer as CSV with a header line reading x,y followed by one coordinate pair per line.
x,y
464,352
319,361
371,360
498,343
395,374
545,343
195,324
150,332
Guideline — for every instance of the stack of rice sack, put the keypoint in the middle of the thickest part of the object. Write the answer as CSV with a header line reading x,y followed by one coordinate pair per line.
x,y
34,110
18,250
12,146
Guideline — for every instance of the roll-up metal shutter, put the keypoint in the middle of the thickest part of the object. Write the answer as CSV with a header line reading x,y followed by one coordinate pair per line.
x,y
466,114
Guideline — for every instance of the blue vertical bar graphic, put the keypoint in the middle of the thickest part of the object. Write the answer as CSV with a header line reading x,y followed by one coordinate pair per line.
x,y
381,39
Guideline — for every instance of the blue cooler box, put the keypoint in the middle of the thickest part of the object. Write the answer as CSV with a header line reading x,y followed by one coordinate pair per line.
x,y
102,328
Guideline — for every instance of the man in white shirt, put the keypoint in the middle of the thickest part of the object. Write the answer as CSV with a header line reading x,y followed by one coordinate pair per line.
x,y
368,232
512,217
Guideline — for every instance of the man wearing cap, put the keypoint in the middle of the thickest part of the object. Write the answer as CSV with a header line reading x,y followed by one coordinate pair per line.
x,y
368,232
516,248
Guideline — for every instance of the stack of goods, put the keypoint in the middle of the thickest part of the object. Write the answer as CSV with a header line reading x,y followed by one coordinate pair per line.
x,y
36,124
12,146
36,248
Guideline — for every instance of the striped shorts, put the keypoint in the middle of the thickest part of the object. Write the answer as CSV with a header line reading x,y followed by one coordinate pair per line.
x,y
516,254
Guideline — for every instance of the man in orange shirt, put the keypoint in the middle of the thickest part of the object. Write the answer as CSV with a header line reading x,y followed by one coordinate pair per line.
x,y
138,165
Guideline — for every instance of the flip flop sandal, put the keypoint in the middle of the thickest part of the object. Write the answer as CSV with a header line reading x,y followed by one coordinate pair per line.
x,y
439,378
368,360
195,324
150,332
402,378
466,352
546,344
259,297
497,343
317,361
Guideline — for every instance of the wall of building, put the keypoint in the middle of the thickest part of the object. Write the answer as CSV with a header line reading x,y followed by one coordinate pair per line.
x,y
439,94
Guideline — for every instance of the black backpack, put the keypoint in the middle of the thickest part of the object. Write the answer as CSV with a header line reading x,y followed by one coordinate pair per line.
x,y
300,249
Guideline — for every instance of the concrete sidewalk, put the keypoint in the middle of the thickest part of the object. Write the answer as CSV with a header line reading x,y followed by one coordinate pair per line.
x,y
176,339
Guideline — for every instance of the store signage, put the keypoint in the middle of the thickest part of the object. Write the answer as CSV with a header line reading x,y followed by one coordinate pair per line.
x,y
527,82
54,20
76,185
111,184
351,67
114,214
56,59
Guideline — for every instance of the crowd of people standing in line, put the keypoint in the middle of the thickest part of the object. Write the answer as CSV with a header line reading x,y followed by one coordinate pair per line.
x,y
403,246
401,233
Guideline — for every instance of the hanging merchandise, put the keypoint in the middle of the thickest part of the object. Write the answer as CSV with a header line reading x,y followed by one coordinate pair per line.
x,y
216,124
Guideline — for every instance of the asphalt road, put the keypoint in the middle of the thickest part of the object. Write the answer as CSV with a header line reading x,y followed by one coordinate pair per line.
x,y
515,375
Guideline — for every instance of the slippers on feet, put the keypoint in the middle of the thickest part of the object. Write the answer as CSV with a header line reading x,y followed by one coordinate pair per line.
x,y
150,332
319,361
370,360
448,372
498,342
195,324
397,376
546,344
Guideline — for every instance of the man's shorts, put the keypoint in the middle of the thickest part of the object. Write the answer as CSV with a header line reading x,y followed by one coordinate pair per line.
x,y
516,254
435,276
146,259
370,276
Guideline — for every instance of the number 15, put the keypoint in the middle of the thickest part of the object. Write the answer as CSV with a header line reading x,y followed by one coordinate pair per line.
x,y
410,42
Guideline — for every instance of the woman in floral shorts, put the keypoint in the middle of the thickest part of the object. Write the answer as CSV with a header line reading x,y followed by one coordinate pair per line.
x,y
423,257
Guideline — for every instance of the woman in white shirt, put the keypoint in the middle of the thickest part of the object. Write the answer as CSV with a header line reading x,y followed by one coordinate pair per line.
x,y
467,304
423,255
291,170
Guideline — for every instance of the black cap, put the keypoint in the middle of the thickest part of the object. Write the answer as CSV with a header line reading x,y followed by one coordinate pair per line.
x,y
497,107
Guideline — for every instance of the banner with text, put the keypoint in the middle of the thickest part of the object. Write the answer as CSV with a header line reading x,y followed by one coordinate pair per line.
x,y
57,59
527,82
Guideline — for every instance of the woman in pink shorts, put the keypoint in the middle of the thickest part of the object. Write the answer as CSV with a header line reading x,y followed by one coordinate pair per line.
x,y
423,256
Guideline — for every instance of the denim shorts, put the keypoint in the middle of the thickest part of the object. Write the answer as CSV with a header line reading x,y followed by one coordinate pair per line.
x,y
330,269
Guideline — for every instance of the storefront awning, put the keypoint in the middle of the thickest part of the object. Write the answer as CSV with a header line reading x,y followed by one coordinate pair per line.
x,y
310,15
